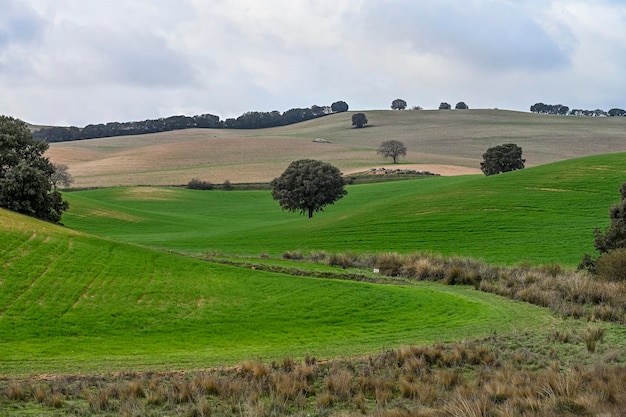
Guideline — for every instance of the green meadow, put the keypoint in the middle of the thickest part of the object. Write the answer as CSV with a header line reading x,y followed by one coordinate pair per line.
x,y
113,289
73,302
539,215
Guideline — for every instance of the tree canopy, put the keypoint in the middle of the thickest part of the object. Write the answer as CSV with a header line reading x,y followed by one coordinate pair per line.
x,y
307,186
392,149
461,106
502,158
444,106
359,120
339,106
27,178
398,104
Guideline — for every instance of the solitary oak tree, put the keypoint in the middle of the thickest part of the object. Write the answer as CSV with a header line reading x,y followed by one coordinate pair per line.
x,y
502,158
398,104
308,186
359,120
392,149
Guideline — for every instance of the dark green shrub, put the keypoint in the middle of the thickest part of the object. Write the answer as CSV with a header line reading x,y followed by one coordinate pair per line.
x,y
611,266
227,186
614,237
588,263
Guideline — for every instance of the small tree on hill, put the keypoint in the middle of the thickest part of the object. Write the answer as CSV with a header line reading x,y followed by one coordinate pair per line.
x,y
359,120
444,106
398,104
308,186
392,149
461,106
26,176
502,158
61,176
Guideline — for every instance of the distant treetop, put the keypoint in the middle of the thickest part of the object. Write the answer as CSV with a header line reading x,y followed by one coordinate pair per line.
x,y
339,107
562,110
398,104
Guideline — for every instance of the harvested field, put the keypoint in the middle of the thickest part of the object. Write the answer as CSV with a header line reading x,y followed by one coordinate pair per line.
x,y
443,142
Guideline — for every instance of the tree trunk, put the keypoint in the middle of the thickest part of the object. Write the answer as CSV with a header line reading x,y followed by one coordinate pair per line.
x,y
310,212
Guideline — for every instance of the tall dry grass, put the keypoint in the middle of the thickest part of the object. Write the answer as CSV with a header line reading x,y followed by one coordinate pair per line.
x,y
470,378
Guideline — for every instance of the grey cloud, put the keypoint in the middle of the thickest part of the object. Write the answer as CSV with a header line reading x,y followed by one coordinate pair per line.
x,y
489,35
143,60
18,24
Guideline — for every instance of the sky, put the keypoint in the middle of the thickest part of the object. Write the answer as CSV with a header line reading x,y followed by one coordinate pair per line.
x,y
76,62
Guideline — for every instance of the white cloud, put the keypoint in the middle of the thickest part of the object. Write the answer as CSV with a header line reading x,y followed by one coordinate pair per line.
x,y
77,62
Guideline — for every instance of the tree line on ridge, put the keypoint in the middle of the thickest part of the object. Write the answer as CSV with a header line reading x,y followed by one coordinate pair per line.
x,y
248,120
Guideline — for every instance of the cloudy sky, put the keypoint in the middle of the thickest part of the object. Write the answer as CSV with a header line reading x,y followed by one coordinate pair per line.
x,y
74,62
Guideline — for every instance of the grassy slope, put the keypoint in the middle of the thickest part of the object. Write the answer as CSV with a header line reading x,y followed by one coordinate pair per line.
x,y
540,214
73,302
432,137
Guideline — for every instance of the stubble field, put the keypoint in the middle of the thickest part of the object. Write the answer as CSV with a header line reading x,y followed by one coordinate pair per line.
x,y
444,142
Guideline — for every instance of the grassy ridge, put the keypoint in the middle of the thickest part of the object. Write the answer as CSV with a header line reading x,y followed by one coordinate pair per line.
x,y
73,302
539,215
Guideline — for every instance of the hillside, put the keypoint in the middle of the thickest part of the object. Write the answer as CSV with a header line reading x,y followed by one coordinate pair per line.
x,y
503,218
73,302
444,142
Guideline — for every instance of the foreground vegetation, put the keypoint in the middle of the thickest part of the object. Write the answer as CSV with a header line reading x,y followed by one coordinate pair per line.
x,y
271,332
530,373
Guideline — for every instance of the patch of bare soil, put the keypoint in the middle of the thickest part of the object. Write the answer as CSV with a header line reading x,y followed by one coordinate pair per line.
x,y
444,170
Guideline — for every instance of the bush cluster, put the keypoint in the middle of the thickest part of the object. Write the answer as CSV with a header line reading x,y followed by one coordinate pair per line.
x,y
196,184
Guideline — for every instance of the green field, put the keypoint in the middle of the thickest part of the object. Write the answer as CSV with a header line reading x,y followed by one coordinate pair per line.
x,y
146,291
72,302
539,215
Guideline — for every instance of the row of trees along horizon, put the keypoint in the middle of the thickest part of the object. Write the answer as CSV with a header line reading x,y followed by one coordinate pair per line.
x,y
259,120
562,110
248,120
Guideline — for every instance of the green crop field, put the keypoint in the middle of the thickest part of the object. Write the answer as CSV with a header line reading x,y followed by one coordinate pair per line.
x,y
539,215
73,302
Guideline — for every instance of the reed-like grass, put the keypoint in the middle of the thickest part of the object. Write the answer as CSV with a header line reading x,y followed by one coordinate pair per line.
x,y
482,377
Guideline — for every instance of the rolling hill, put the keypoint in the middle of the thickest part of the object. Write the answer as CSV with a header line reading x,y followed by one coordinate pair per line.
x,y
501,219
444,142
73,302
